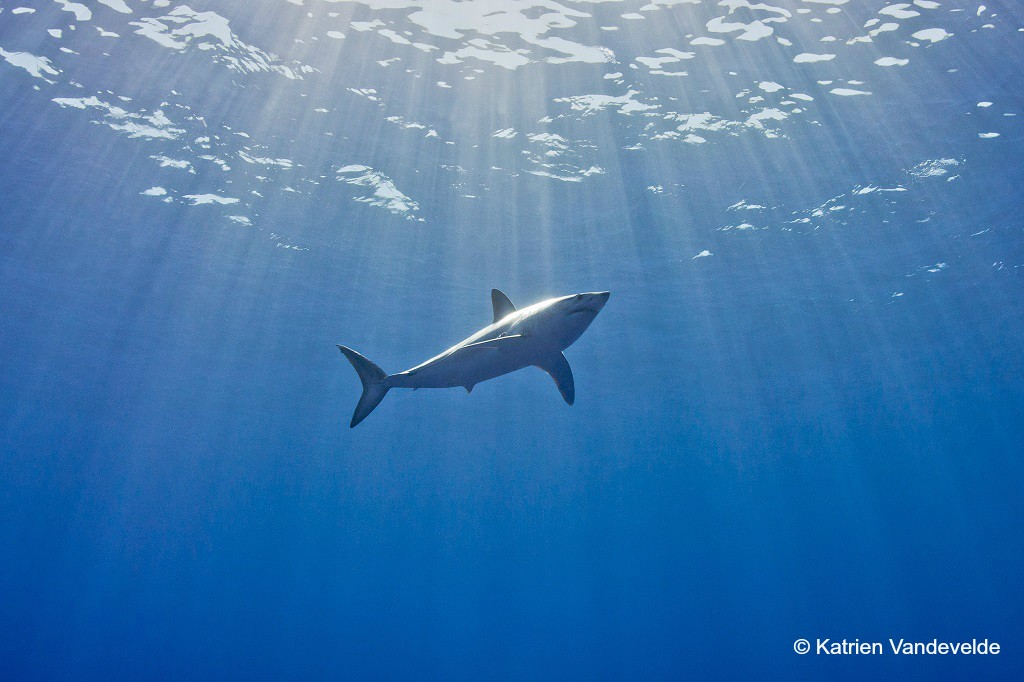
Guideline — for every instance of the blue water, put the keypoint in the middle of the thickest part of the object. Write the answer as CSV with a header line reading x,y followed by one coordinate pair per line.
x,y
800,415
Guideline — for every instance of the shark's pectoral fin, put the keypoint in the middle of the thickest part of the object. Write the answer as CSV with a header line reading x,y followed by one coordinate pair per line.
x,y
506,342
502,306
559,369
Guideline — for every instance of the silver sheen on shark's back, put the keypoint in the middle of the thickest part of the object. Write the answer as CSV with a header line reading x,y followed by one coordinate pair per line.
x,y
535,335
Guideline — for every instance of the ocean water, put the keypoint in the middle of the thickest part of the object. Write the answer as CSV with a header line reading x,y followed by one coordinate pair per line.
x,y
800,415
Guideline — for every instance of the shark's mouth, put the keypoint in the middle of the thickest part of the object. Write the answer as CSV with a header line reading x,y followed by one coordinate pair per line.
x,y
583,310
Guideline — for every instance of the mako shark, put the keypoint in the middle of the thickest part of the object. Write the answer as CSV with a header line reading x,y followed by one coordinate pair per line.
x,y
535,335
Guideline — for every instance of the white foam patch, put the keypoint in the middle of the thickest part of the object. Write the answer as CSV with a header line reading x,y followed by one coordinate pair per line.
x,y
884,28
692,124
479,28
760,118
559,176
664,4
183,27
81,12
932,35
590,104
891,61
167,162
35,66
899,11
671,56
117,6
810,58
707,41
151,126
749,21
559,158
870,189
755,30
385,193
933,168
265,161
200,199
486,51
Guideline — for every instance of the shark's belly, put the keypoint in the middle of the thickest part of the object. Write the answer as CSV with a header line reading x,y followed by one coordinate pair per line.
x,y
464,368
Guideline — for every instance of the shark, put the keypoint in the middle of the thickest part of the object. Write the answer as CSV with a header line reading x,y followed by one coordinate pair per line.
x,y
534,336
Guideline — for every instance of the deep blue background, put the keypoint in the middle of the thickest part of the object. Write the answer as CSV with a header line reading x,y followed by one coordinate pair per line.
x,y
766,444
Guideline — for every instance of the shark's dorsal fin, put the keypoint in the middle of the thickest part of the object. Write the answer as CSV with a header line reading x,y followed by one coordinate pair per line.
x,y
559,369
502,306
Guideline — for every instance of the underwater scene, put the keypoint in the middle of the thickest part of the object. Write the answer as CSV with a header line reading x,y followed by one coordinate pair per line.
x,y
746,400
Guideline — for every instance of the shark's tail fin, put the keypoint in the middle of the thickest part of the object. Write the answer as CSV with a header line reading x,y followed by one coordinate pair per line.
x,y
372,377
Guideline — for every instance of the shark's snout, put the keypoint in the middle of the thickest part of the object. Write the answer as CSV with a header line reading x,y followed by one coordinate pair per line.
x,y
597,299
590,302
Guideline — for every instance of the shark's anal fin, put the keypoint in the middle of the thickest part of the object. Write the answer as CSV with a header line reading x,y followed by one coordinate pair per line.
x,y
502,306
559,369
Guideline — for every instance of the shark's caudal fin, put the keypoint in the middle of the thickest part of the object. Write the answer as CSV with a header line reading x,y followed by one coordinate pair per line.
x,y
372,377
